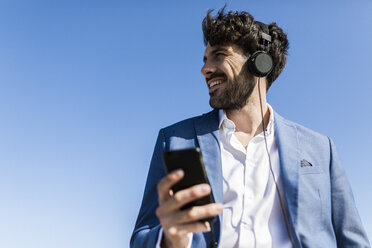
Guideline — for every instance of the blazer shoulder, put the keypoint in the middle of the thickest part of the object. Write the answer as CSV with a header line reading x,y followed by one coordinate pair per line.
x,y
186,127
304,133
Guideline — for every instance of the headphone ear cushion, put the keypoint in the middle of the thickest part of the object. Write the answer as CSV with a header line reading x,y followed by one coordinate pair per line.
x,y
260,64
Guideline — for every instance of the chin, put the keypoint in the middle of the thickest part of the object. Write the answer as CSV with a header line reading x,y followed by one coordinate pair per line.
x,y
216,104
213,104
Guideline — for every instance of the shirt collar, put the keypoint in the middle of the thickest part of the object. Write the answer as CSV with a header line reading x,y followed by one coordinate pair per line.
x,y
229,124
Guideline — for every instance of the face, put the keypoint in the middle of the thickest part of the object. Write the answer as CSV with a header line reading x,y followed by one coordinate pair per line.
x,y
227,77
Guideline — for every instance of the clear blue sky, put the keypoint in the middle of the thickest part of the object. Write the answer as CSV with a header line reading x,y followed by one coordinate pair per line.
x,y
86,85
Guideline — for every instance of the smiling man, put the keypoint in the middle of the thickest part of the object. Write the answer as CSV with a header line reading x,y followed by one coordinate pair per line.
x,y
275,183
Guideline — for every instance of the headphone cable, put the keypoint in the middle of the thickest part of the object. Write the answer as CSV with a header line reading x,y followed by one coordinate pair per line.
x,y
271,168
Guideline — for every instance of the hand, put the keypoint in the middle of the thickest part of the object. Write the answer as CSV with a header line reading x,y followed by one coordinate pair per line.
x,y
178,225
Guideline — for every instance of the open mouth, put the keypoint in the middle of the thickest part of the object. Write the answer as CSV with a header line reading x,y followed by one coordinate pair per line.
x,y
215,85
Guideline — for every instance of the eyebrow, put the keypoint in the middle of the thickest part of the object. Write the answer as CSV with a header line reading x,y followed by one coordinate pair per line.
x,y
214,51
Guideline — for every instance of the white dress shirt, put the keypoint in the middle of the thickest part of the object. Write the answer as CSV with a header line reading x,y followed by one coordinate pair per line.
x,y
252,215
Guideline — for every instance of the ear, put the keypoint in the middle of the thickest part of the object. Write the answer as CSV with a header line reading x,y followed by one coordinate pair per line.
x,y
260,64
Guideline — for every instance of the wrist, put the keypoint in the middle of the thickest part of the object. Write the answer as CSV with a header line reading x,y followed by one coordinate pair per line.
x,y
184,241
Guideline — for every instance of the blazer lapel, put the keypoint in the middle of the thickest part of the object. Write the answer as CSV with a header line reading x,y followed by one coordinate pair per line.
x,y
289,155
208,137
207,131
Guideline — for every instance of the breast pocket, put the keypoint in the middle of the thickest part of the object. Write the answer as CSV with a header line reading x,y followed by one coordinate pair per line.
x,y
310,169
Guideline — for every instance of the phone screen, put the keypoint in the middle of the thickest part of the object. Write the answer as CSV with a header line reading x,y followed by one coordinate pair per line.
x,y
191,162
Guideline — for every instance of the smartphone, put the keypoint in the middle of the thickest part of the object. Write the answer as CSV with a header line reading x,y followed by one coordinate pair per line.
x,y
191,162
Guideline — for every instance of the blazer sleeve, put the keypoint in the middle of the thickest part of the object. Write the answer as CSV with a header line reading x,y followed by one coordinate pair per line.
x,y
147,226
345,218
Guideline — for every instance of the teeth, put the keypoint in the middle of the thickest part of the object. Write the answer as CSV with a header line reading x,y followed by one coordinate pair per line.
x,y
215,83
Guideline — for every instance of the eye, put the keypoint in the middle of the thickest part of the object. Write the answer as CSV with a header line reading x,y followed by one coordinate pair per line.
x,y
220,56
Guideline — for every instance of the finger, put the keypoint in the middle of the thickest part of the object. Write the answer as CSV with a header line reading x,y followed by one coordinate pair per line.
x,y
184,229
192,214
183,197
167,182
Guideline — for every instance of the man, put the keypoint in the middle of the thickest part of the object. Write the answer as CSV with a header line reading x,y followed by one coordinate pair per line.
x,y
275,183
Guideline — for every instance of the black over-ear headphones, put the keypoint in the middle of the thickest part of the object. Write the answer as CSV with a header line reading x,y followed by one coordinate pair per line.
x,y
260,62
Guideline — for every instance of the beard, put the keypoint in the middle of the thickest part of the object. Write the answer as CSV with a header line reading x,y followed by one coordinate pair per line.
x,y
235,93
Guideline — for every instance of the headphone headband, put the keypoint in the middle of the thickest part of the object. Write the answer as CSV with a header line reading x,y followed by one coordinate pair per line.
x,y
265,33
260,63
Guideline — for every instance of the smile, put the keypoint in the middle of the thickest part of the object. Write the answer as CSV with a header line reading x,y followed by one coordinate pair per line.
x,y
215,83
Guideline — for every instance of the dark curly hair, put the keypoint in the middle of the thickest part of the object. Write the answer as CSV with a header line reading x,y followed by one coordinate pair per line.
x,y
241,29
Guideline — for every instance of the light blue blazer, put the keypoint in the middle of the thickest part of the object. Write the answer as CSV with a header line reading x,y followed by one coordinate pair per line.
x,y
320,203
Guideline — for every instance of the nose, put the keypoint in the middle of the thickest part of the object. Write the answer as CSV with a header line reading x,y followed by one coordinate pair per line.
x,y
207,69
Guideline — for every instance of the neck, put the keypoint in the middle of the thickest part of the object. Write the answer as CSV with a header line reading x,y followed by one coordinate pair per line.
x,y
248,120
